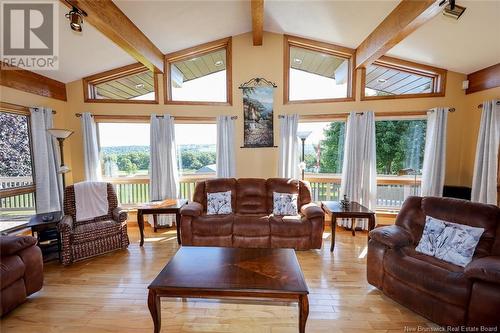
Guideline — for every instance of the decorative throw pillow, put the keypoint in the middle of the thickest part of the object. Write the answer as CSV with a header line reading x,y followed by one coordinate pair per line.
x,y
285,203
448,241
219,203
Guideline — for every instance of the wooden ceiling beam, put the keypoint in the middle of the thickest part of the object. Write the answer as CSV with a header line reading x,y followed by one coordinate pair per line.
x,y
483,79
33,83
106,17
408,16
257,21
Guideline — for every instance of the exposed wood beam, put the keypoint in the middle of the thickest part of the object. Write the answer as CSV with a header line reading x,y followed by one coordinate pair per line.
x,y
483,79
106,17
402,21
21,79
257,21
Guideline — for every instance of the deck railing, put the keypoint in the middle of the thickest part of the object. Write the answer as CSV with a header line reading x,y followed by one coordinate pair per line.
x,y
391,190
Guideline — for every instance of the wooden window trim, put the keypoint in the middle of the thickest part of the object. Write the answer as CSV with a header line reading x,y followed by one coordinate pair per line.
x,y
332,49
113,74
220,44
23,111
437,74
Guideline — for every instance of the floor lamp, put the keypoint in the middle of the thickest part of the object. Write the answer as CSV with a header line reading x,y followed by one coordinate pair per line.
x,y
61,135
303,136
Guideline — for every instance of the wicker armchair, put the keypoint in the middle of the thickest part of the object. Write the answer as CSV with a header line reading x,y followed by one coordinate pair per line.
x,y
85,239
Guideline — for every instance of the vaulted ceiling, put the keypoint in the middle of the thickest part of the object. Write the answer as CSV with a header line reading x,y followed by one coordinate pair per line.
x,y
466,45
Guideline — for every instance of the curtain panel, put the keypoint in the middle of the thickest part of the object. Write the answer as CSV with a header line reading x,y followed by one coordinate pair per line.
x,y
90,149
226,160
288,166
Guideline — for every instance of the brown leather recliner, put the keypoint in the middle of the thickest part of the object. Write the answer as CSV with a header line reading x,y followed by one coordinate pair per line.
x,y
21,272
252,223
440,291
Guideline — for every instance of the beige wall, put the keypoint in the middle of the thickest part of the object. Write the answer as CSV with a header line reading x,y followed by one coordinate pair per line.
x,y
267,61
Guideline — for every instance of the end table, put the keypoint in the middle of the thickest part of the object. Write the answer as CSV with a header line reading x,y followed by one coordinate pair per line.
x,y
355,210
44,228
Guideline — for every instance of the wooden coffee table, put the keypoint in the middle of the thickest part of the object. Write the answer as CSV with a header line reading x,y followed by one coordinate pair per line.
x,y
216,272
354,211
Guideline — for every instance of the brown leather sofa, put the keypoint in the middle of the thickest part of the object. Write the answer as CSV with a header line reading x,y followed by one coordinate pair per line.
x,y
440,291
21,272
252,223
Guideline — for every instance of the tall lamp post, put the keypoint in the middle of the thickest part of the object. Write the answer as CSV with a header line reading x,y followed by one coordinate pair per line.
x,y
61,135
303,136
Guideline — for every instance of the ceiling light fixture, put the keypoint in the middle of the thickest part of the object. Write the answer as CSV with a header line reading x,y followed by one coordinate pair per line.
x,y
382,80
75,17
297,61
451,9
219,63
139,85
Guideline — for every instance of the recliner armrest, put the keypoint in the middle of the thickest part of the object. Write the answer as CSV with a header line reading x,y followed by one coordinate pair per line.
x,y
312,210
120,214
192,209
392,236
486,269
10,245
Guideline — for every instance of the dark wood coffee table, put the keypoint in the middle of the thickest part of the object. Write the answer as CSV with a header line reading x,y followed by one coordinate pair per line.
x,y
216,272
157,208
354,211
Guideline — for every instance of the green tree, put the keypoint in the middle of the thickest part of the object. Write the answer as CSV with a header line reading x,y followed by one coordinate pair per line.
x,y
332,148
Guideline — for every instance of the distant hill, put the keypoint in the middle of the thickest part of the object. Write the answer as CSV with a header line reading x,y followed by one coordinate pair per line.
x,y
139,149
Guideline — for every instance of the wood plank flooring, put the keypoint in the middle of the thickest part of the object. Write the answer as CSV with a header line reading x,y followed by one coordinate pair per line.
x,y
109,293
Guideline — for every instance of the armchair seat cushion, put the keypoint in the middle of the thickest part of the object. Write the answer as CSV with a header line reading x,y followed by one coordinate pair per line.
x,y
213,225
95,230
430,275
289,226
11,269
251,225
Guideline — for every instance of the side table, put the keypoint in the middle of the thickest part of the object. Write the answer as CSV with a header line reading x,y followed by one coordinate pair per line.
x,y
355,210
169,206
46,233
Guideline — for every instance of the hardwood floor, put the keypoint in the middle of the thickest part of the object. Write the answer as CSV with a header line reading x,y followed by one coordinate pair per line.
x,y
109,294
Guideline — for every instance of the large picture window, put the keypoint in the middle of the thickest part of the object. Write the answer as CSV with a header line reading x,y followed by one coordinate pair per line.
x,y
199,75
17,185
317,72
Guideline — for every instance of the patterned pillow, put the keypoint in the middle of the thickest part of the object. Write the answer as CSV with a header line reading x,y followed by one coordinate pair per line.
x,y
285,203
219,203
448,241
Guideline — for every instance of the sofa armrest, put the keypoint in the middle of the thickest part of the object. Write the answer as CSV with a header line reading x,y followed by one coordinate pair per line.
x,y
392,236
192,209
66,224
120,214
10,245
312,210
486,269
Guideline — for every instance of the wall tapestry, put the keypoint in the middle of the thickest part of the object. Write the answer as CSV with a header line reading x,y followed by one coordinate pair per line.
x,y
258,113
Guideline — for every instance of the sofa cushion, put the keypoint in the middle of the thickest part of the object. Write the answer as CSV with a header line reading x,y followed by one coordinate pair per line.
x,y
95,230
222,185
285,204
212,225
289,226
430,275
251,225
280,185
11,269
219,203
251,196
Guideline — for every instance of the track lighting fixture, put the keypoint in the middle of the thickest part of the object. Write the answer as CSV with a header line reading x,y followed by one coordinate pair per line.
x,y
451,9
75,17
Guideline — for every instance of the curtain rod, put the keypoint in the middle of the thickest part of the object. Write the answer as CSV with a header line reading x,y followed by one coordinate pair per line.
x,y
78,115
37,109
379,114
480,106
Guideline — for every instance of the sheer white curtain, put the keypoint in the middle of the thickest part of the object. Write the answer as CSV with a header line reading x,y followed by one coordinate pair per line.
x,y
163,171
49,191
90,149
359,172
433,169
484,182
226,161
288,166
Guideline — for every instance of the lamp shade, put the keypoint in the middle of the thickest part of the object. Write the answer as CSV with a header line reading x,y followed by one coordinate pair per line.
x,y
60,133
303,134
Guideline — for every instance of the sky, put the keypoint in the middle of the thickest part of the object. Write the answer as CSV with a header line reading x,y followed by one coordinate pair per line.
x,y
127,134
